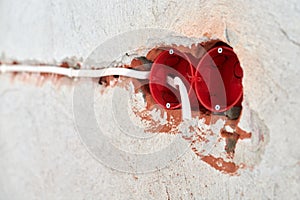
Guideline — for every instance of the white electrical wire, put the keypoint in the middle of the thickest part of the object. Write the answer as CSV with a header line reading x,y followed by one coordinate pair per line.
x,y
70,72
170,81
185,101
184,97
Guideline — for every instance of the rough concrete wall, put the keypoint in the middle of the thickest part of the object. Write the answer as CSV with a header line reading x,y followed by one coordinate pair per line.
x,y
41,154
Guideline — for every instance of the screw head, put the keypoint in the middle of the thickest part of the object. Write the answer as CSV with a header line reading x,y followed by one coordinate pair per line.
x,y
168,105
171,51
220,50
217,107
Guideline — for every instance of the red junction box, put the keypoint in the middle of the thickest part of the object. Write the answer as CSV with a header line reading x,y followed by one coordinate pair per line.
x,y
219,84
217,80
171,63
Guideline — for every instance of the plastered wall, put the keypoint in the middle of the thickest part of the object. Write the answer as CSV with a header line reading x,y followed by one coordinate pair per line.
x,y
42,156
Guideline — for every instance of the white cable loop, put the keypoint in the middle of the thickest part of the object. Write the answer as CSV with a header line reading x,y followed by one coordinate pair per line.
x,y
70,72
185,101
184,97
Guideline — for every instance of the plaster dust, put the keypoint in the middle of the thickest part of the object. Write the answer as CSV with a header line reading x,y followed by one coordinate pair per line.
x,y
41,154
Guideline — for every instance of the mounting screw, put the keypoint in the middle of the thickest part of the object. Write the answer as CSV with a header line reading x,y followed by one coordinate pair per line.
x,y
171,51
220,50
168,105
217,107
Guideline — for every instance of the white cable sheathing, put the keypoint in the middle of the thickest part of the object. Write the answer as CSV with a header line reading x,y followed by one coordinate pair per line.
x,y
170,81
185,102
70,72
